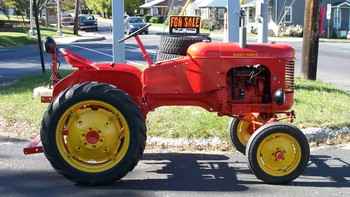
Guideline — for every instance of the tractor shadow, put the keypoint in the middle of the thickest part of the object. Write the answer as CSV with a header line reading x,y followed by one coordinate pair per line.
x,y
185,172
193,172
215,172
325,171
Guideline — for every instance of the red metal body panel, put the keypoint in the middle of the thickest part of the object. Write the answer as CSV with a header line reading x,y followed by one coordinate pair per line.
x,y
199,79
202,78
125,77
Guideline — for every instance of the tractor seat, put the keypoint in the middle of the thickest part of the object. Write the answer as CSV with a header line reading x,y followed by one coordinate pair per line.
x,y
78,61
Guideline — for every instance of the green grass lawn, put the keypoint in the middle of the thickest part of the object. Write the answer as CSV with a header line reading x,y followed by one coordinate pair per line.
x,y
13,18
20,37
317,104
12,39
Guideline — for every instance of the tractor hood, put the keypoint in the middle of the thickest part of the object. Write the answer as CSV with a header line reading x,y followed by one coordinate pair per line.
x,y
233,50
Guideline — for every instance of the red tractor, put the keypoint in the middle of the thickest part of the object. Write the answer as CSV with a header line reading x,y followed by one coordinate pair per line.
x,y
94,131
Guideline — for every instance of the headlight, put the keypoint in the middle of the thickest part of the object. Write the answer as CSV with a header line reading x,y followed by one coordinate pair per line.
x,y
280,97
131,26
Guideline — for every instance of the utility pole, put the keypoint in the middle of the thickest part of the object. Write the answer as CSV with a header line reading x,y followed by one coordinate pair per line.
x,y
36,14
59,31
311,39
233,15
118,31
76,17
262,15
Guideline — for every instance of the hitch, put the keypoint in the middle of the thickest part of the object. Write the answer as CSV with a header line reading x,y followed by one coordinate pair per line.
x,y
34,146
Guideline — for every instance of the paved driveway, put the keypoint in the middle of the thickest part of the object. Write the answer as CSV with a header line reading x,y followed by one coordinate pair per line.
x,y
176,174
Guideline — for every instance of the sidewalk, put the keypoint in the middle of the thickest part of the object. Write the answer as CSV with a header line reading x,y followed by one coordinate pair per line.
x,y
83,37
253,38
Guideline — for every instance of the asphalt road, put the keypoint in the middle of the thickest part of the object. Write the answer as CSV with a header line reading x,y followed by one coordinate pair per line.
x,y
333,64
176,174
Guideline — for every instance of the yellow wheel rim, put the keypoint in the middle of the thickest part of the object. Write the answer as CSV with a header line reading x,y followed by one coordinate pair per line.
x,y
244,131
279,154
92,136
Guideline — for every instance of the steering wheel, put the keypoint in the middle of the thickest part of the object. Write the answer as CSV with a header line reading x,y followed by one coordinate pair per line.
x,y
135,33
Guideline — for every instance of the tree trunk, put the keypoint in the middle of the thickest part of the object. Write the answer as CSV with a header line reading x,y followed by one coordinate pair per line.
x,y
76,18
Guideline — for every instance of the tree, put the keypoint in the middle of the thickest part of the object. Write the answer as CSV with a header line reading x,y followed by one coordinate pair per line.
x,y
76,17
68,4
104,7
132,5
22,6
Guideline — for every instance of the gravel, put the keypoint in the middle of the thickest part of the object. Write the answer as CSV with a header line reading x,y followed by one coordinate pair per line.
x,y
315,136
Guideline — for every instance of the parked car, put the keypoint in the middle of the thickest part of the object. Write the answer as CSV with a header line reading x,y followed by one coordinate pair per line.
x,y
67,19
87,22
134,23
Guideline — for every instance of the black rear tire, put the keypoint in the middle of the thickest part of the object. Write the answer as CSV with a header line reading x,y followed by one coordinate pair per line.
x,y
263,133
100,92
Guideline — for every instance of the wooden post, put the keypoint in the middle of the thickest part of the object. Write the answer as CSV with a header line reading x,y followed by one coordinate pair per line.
x,y
311,39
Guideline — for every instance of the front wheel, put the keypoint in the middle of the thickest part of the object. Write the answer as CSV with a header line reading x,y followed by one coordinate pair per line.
x,y
278,153
93,134
240,133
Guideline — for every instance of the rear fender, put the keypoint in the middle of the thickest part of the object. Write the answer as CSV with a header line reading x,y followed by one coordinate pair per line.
x,y
125,77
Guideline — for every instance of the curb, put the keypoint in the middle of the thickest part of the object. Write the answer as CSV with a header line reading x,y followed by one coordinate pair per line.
x,y
70,40
91,39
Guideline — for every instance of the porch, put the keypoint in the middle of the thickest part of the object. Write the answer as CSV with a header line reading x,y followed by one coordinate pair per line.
x,y
340,19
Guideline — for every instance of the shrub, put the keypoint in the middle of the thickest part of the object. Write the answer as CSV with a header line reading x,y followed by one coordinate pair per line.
x,y
147,18
157,19
210,24
291,31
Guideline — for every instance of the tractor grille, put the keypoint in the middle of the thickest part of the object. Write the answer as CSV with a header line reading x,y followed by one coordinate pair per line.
x,y
289,77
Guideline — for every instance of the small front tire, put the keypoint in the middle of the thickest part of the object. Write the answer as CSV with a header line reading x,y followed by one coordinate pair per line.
x,y
278,153
240,132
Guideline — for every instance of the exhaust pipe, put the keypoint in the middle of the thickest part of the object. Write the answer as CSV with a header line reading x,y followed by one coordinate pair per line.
x,y
242,30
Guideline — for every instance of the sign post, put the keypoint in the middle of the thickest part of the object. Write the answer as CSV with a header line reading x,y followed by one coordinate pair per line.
x,y
329,15
118,31
59,31
262,12
233,13
31,30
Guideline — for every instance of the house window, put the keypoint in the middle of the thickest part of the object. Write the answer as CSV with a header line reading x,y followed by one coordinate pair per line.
x,y
336,18
221,13
205,13
270,14
197,12
288,14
